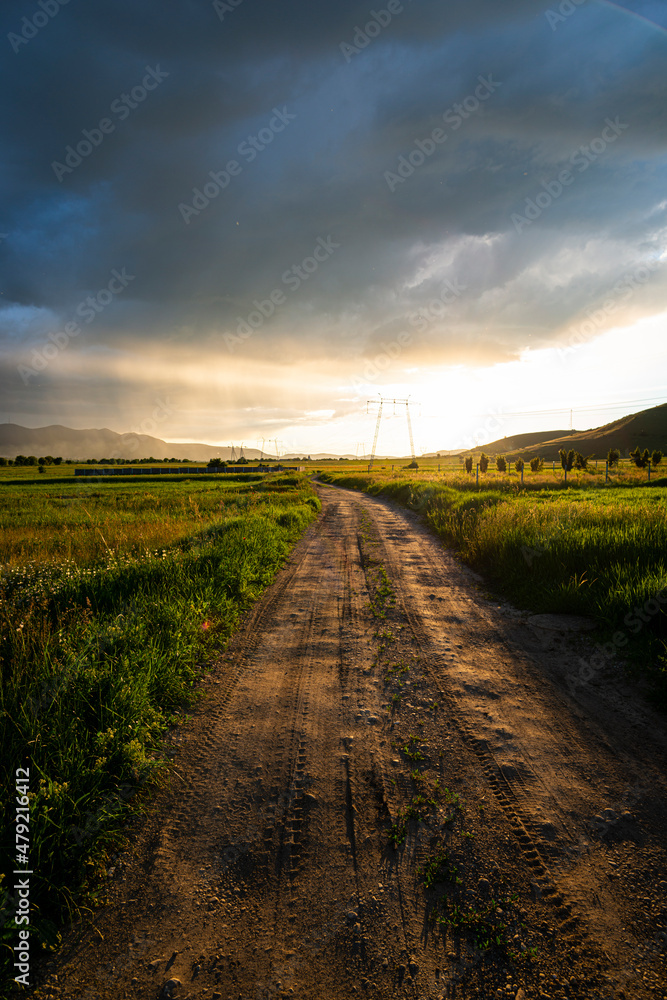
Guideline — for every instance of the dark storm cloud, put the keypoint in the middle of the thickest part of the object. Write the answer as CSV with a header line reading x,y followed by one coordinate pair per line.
x,y
219,82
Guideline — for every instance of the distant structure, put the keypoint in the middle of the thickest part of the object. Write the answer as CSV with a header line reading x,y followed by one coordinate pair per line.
x,y
382,401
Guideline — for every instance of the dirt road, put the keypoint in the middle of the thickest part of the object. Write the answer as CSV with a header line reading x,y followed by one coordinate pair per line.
x,y
379,724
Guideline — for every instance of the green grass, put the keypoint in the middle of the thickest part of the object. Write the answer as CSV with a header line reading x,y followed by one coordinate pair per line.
x,y
101,654
80,519
600,552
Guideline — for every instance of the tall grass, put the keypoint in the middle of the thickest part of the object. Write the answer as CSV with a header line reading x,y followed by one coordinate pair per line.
x,y
593,552
97,660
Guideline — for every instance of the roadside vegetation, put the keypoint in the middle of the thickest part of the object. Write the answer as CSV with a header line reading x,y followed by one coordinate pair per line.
x,y
114,600
599,552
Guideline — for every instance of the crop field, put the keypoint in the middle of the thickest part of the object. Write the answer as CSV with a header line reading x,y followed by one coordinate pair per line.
x,y
114,597
580,549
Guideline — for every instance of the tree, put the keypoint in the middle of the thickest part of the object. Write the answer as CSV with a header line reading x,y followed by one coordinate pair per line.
x,y
580,462
214,462
640,458
501,463
519,463
536,464
469,464
567,459
483,462
656,458
613,457
58,460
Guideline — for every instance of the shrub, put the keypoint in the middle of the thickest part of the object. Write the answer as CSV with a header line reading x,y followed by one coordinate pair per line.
x,y
567,459
640,458
613,457
536,464
656,458
519,463
501,463
483,462
469,464
579,461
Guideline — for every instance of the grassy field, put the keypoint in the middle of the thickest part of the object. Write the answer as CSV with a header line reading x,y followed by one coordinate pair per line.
x,y
580,549
114,596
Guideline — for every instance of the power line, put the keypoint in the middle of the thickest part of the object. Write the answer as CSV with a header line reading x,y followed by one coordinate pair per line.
x,y
568,409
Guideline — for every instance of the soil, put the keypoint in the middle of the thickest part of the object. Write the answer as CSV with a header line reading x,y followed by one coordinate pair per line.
x,y
379,723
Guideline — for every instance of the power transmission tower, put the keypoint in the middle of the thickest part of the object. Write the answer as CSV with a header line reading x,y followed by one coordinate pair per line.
x,y
382,401
233,454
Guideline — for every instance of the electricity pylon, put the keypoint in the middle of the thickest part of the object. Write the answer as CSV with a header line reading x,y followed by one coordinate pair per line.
x,y
400,402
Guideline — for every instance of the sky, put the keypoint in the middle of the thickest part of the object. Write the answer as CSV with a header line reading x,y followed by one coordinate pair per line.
x,y
258,217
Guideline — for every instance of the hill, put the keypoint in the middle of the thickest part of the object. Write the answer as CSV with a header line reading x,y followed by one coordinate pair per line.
x,y
101,443
646,429
519,442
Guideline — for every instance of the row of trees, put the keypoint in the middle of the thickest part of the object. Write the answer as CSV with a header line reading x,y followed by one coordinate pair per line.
x,y
24,460
569,460
536,464
28,460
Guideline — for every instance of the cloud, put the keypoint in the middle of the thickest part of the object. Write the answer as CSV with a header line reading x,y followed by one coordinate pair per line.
x,y
448,220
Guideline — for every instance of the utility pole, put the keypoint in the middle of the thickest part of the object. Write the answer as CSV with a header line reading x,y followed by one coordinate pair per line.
x,y
381,402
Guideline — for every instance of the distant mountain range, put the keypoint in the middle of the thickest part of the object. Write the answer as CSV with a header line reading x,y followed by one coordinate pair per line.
x,y
80,445
648,429
95,443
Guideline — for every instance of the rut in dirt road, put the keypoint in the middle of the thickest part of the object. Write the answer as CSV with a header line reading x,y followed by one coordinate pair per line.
x,y
389,794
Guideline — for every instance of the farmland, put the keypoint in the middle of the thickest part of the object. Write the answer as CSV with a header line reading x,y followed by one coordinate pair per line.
x,y
114,598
